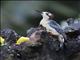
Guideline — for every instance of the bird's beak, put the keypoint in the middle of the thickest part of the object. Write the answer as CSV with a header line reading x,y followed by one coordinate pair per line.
x,y
38,11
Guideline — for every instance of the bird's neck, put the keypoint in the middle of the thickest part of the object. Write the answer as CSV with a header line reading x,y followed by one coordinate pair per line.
x,y
43,21
46,19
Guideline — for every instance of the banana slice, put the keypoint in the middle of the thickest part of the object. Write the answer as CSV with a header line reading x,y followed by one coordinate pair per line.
x,y
22,40
2,41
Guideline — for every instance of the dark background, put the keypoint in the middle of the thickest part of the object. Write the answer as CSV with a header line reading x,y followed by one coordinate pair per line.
x,y
21,15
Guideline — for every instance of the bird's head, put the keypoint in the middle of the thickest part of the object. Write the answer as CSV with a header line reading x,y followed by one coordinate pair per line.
x,y
46,15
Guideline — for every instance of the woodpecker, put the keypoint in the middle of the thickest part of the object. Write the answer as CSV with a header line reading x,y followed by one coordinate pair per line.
x,y
52,26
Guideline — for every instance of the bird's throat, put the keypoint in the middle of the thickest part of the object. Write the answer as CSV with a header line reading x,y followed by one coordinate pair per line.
x,y
45,18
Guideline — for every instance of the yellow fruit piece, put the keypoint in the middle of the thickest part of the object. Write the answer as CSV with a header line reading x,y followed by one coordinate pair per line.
x,y
23,39
2,40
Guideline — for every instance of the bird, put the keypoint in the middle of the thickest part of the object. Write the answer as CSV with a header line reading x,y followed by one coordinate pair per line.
x,y
52,26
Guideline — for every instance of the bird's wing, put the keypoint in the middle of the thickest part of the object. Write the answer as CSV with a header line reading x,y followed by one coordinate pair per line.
x,y
56,26
54,23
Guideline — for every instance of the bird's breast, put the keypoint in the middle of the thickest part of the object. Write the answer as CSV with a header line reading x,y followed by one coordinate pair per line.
x,y
44,23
